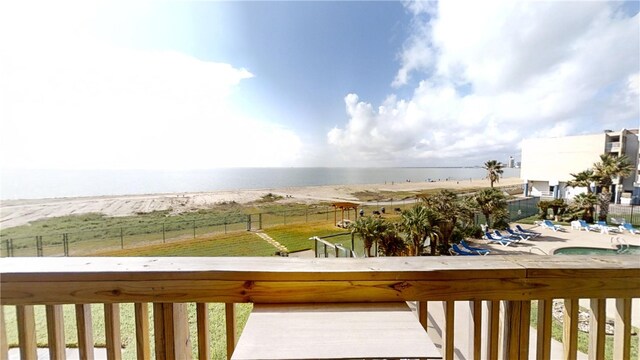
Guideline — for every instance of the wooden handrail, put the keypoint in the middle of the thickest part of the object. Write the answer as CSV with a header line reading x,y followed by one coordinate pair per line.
x,y
168,283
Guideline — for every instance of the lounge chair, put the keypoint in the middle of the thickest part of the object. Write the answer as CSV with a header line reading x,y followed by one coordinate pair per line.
x,y
606,229
499,240
629,228
586,227
549,225
455,250
480,251
510,237
619,221
527,232
518,235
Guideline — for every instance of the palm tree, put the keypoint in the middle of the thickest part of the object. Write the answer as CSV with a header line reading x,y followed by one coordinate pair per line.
x,y
492,203
585,202
494,170
447,208
369,229
582,179
417,224
609,167
391,243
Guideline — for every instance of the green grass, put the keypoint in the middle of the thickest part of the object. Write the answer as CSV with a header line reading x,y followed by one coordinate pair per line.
x,y
583,338
296,237
240,243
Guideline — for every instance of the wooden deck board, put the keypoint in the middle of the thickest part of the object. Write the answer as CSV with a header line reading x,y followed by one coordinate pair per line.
x,y
334,331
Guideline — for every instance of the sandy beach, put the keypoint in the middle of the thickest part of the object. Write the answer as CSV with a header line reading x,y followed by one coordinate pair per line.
x,y
20,212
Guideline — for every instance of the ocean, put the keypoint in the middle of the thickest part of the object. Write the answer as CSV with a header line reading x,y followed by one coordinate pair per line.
x,y
38,184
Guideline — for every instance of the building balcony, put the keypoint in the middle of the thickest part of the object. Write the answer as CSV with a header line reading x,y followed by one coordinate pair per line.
x,y
613,147
499,290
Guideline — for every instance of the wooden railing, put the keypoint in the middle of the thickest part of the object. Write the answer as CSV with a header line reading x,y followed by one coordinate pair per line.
x,y
505,284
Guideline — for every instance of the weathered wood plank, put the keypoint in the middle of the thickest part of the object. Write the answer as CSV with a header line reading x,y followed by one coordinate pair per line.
x,y
16,293
202,311
493,329
230,325
26,332
171,331
112,331
4,348
84,327
143,345
316,331
622,329
543,346
597,321
475,326
55,332
570,329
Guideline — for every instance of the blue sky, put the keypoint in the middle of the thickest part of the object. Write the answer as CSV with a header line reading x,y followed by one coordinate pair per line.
x,y
186,85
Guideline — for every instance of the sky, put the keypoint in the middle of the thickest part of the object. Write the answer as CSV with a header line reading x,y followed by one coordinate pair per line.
x,y
207,84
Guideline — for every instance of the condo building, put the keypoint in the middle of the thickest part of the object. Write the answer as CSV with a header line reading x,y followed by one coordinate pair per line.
x,y
547,163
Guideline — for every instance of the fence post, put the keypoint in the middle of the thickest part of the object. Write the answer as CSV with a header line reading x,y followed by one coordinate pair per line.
x,y
327,213
249,222
39,245
121,238
163,234
9,247
65,244
194,229
260,221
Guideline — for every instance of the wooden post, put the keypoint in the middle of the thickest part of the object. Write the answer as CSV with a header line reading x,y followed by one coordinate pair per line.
x,y
543,347
4,348
85,331
202,311
171,331
230,322
423,314
597,321
260,221
475,325
112,331
622,330
515,343
55,332
26,332
143,346
493,329
449,330
570,329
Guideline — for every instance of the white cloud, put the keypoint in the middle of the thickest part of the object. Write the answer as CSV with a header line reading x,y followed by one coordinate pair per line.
x,y
70,102
492,73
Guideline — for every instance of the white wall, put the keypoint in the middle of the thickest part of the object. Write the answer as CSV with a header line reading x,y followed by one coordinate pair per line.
x,y
558,158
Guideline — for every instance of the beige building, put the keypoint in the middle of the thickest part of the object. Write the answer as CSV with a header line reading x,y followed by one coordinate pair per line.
x,y
547,163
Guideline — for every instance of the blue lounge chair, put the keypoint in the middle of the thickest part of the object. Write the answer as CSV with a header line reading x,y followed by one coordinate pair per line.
x,y
455,250
586,227
604,228
510,237
480,251
499,240
528,232
629,228
549,225
518,235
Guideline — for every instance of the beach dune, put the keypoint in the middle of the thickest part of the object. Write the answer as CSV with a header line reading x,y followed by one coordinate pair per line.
x,y
20,212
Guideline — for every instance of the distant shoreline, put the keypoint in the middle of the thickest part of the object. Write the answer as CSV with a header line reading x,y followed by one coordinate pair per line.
x,y
20,212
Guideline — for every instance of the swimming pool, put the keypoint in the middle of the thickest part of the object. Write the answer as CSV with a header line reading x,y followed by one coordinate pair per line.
x,y
633,250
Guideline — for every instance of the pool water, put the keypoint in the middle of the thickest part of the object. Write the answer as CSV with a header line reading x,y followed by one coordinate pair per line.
x,y
633,250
